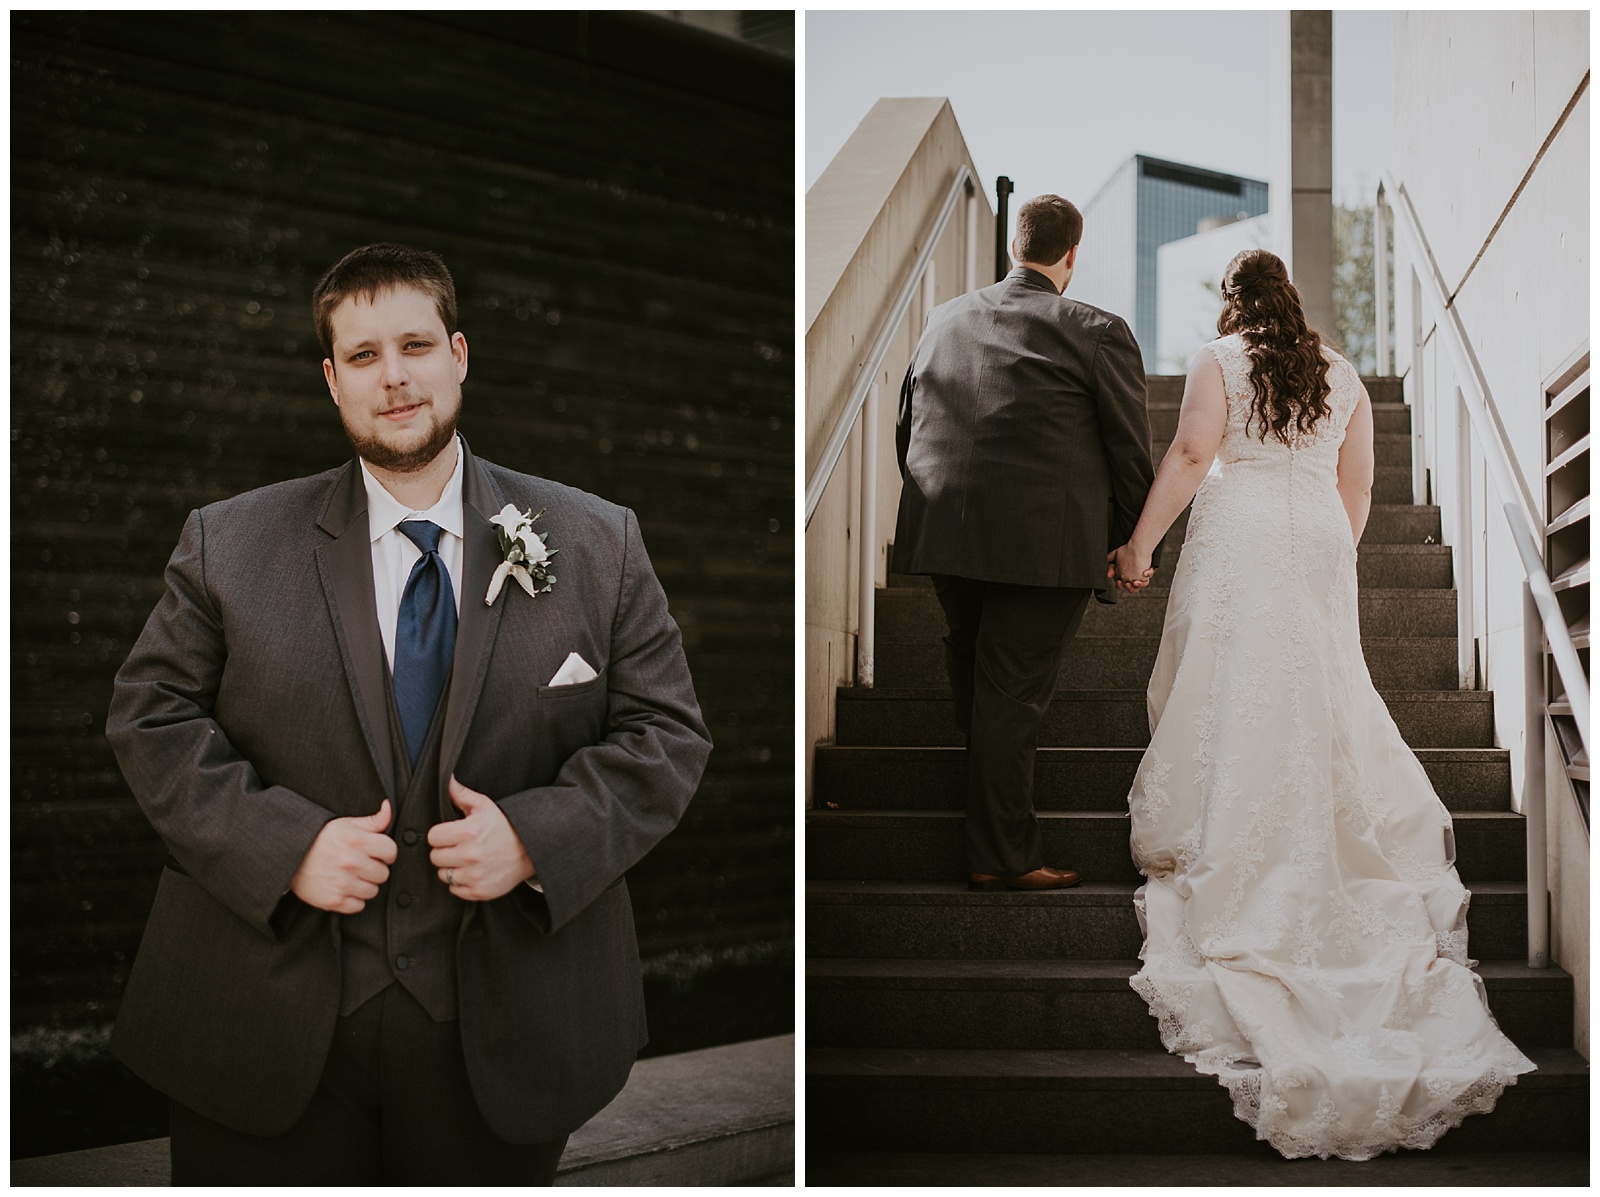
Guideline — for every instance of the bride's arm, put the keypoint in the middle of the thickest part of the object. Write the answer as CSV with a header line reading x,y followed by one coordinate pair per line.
x,y
1356,466
1201,423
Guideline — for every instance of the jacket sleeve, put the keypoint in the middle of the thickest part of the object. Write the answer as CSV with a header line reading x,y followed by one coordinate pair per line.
x,y
1118,384
240,839
615,800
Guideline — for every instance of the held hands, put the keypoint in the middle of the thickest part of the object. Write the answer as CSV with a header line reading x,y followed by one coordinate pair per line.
x,y
348,861
481,853
1131,568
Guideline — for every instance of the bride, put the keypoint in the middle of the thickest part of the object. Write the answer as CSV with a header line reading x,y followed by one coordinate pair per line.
x,y
1305,929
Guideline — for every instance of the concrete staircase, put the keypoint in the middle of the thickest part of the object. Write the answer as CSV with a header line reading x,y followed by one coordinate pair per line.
x,y
1001,1025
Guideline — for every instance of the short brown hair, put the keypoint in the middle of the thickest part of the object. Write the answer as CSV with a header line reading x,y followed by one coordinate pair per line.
x,y
374,268
1047,229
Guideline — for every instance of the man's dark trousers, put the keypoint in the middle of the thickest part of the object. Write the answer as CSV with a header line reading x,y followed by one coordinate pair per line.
x,y
1003,652
394,1107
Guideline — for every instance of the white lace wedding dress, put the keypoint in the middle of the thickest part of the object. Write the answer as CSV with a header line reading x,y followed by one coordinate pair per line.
x,y
1305,929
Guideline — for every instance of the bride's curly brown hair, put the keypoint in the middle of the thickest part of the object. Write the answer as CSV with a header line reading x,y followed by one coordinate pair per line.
x,y
1287,370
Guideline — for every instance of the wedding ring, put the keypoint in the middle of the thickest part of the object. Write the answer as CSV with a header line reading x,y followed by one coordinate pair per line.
x,y
450,877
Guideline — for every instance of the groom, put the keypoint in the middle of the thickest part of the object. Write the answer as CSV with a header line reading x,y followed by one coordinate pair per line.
x,y
1024,449
392,942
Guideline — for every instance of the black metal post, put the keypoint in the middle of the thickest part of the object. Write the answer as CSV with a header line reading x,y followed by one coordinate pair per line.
x,y
1002,260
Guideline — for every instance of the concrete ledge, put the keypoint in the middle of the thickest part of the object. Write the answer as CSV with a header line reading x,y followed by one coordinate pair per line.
x,y
147,1163
721,1116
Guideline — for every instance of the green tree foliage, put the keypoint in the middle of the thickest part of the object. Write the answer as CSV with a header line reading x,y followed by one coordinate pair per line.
x,y
1354,306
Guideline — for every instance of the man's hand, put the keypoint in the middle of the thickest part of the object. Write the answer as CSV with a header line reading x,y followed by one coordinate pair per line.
x,y
1130,568
479,857
348,861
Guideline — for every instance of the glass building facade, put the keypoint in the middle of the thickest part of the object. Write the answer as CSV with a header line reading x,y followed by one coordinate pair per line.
x,y
1147,203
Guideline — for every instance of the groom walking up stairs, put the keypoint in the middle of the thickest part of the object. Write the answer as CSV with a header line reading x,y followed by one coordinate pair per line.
x,y
956,1037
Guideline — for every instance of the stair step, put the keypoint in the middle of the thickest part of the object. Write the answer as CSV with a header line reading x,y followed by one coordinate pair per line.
x,y
1118,718
1389,411
1389,449
1402,523
1386,390
1382,389
896,778
1126,662
1393,449
924,919
1391,484
1055,1003
1387,523
930,845
1384,566
1259,1169
912,614
953,1100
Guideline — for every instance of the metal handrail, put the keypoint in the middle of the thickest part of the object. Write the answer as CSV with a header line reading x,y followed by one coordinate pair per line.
x,y
818,481
1561,647
1519,507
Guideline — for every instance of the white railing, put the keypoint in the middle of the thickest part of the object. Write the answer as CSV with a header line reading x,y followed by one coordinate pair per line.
x,y
863,404
1543,620
867,542
880,347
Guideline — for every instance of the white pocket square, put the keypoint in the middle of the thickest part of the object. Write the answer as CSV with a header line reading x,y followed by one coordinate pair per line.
x,y
573,670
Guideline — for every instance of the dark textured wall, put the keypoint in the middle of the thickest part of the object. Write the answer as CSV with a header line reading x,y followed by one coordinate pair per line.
x,y
614,196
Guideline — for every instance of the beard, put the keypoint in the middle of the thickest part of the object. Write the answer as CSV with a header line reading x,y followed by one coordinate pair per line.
x,y
375,451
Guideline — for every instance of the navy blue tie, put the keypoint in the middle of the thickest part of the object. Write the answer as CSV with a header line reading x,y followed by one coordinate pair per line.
x,y
424,637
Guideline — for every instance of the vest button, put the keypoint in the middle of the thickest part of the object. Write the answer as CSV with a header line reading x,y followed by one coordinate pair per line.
x,y
402,962
404,899
410,837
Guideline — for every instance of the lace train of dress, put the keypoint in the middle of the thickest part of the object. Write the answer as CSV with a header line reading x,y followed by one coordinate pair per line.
x,y
1305,929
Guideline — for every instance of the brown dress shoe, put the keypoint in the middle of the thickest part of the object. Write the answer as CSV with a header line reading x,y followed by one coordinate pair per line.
x,y
1044,877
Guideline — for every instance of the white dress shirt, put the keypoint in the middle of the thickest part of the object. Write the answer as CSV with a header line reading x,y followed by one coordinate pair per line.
x,y
393,554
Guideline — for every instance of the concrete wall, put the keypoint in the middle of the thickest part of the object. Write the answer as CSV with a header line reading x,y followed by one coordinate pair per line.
x,y
865,220
1491,144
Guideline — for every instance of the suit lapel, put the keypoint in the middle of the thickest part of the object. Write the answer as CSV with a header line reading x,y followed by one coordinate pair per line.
x,y
475,632
345,566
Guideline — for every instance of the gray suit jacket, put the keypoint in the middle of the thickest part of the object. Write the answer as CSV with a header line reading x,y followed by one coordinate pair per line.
x,y
252,710
1023,440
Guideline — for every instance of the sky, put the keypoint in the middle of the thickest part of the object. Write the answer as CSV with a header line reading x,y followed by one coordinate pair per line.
x,y
1059,100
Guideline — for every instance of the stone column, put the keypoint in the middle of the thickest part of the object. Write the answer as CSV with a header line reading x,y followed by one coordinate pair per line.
x,y
1302,176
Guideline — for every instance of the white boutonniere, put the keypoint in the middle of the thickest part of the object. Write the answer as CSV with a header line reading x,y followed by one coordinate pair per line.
x,y
527,557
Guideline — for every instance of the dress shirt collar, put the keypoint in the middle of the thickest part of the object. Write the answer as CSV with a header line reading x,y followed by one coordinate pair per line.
x,y
385,513
1028,274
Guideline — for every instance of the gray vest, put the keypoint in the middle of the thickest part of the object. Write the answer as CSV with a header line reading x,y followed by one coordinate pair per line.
x,y
408,932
